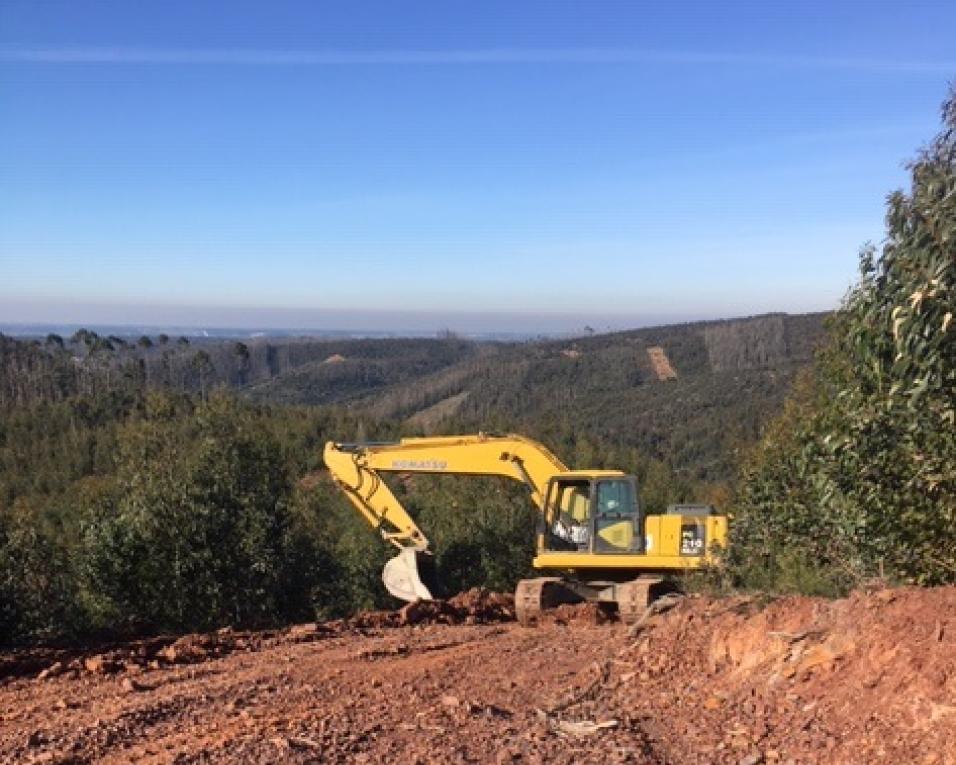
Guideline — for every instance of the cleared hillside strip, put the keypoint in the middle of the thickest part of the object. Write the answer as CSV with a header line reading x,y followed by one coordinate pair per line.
x,y
661,364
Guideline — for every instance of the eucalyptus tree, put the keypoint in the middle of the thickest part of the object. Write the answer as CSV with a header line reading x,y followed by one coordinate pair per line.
x,y
859,476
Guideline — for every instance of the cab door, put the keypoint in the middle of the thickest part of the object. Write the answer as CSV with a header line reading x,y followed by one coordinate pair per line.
x,y
568,520
618,526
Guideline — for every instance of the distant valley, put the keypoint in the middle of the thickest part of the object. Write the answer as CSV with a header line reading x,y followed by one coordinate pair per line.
x,y
690,394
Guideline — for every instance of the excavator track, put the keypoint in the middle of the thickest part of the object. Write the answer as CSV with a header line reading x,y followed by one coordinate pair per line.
x,y
633,598
532,596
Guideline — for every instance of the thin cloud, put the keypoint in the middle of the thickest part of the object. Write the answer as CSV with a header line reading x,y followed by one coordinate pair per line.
x,y
251,57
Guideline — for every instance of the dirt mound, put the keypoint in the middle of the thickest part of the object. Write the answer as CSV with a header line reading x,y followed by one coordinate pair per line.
x,y
475,606
581,613
481,606
871,678
132,656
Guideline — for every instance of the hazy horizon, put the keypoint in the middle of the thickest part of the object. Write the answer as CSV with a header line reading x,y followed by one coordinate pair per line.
x,y
357,320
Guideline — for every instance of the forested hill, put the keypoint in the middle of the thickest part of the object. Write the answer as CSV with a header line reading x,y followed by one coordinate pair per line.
x,y
54,367
688,395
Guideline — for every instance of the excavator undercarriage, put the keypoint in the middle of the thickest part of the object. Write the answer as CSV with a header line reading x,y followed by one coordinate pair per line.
x,y
533,596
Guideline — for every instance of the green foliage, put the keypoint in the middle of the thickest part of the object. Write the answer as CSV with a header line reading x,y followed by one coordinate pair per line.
x,y
37,589
732,376
163,512
859,477
347,575
481,532
198,535
481,529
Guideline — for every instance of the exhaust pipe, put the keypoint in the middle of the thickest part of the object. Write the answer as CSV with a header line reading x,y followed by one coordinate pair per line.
x,y
402,575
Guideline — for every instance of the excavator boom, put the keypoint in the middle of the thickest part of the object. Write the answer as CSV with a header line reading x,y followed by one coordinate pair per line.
x,y
356,470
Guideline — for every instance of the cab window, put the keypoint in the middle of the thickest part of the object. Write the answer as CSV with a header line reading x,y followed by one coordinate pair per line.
x,y
616,498
570,515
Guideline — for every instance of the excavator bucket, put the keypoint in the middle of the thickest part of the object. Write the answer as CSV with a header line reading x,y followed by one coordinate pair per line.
x,y
402,575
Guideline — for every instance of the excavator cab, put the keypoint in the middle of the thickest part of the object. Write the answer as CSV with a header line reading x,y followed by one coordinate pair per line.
x,y
592,513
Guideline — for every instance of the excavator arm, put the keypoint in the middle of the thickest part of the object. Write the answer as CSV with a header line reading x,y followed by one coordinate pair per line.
x,y
356,469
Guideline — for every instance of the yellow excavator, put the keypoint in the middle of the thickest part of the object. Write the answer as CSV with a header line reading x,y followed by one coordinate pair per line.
x,y
592,534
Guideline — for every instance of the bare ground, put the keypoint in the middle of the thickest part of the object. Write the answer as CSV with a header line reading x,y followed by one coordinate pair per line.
x,y
869,679
661,364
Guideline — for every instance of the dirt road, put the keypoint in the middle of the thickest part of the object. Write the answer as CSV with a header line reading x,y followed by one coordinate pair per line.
x,y
867,679
435,693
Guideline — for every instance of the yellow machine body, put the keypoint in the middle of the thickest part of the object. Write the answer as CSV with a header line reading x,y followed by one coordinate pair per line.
x,y
591,526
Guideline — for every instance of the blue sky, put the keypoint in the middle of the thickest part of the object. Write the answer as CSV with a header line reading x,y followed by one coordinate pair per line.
x,y
614,163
